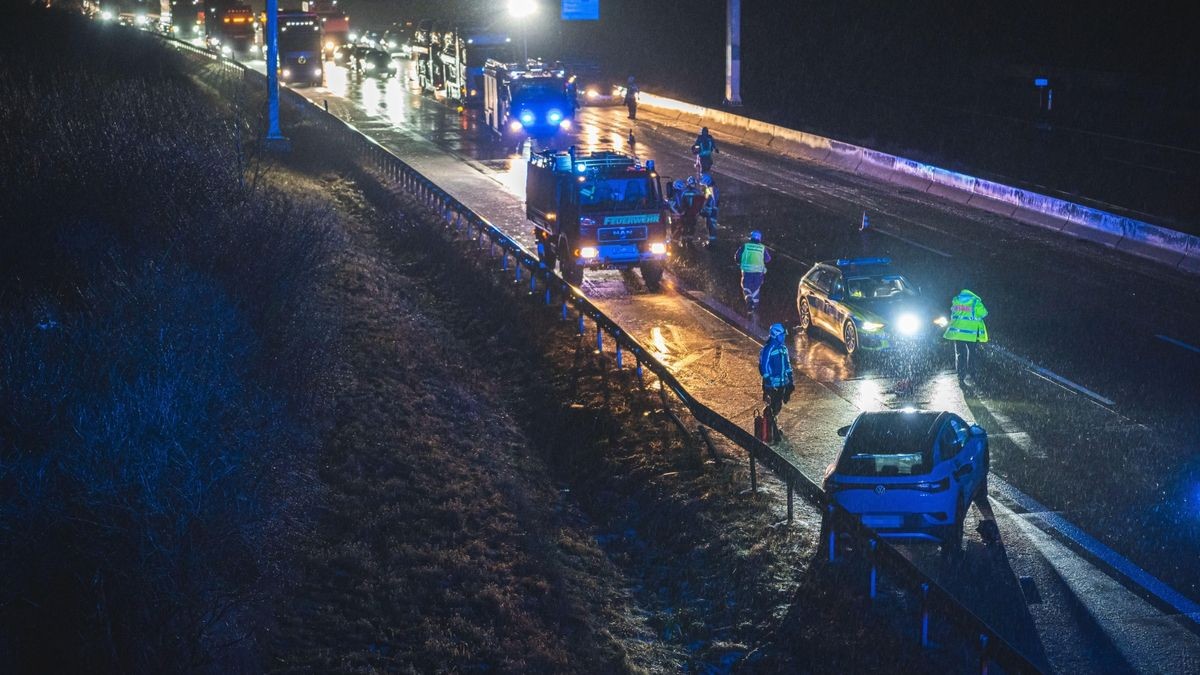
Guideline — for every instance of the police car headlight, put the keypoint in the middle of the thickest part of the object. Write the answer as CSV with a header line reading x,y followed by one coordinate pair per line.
x,y
942,321
554,116
871,326
908,324
658,248
329,45
526,117
592,93
106,16
588,252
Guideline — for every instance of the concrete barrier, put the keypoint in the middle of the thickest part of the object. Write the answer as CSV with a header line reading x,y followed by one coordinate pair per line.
x,y
1169,247
1191,257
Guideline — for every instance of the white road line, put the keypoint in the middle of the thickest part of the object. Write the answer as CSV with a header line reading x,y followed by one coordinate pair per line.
x,y
1094,547
1055,377
912,243
1178,343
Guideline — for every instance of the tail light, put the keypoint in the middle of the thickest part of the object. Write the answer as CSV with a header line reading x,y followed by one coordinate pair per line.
x,y
933,485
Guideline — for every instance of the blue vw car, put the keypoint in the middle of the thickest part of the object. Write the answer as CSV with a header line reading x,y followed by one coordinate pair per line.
x,y
910,474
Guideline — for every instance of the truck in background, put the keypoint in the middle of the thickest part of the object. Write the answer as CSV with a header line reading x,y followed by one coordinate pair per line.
x,y
300,48
335,25
600,210
228,27
464,53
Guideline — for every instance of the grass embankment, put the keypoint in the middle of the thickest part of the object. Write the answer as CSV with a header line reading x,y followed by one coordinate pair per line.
x,y
162,375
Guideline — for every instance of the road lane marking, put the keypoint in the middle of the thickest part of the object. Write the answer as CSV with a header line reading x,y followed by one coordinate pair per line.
x,y
1055,377
1178,343
911,242
1051,519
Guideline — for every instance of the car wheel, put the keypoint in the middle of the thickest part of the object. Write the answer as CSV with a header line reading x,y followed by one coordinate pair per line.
x,y
850,338
953,534
805,316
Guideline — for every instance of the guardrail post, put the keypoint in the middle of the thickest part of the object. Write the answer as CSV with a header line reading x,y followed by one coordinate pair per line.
x,y
581,328
791,491
620,361
599,337
984,661
753,475
518,267
640,374
925,615
564,310
548,298
874,567
832,543
504,261
532,280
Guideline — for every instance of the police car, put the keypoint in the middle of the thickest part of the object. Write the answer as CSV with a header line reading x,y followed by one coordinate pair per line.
x,y
910,474
867,304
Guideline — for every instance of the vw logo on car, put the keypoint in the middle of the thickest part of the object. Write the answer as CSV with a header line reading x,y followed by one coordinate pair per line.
x,y
879,489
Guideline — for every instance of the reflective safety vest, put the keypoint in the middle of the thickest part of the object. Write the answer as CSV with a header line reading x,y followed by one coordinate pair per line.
x,y
966,318
753,257
774,364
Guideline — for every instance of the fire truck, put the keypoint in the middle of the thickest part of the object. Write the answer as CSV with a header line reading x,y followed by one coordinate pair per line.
x,y
531,99
228,27
335,25
600,210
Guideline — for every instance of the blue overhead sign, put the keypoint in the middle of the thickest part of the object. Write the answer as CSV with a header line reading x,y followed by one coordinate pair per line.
x,y
580,10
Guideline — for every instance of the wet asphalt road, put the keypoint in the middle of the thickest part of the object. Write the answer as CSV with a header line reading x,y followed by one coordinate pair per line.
x,y
1122,464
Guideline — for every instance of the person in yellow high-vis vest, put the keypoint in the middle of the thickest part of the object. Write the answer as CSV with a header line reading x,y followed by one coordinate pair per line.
x,y
967,331
752,257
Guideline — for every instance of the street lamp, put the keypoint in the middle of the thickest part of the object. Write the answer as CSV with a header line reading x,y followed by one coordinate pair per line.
x,y
521,10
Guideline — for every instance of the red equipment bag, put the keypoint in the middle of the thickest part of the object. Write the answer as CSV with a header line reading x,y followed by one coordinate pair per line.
x,y
764,430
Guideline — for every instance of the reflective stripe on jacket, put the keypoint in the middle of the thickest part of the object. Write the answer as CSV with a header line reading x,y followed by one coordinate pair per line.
x,y
753,257
966,318
774,364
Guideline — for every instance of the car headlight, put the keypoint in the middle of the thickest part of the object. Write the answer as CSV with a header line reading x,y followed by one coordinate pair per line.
x,y
329,45
565,124
368,66
106,16
908,324
554,116
316,72
592,93
942,321
588,252
526,117
871,326
515,125
658,248
287,73
226,51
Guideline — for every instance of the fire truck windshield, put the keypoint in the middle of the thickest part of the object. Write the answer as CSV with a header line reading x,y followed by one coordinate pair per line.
x,y
615,194
541,88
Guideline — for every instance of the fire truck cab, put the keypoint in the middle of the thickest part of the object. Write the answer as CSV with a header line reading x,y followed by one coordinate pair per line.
x,y
533,99
600,210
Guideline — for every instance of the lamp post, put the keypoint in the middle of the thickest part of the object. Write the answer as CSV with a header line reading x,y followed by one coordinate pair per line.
x,y
522,10
274,135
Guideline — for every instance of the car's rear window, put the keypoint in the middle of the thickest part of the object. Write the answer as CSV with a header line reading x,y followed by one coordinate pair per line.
x,y
890,443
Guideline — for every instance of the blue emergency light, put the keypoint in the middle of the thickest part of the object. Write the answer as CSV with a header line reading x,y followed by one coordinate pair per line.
x,y
1041,82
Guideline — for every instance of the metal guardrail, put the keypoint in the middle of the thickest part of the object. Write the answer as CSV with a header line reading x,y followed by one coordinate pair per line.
x,y
993,649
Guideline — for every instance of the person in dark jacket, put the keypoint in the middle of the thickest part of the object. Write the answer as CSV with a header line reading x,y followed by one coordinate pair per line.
x,y
775,366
